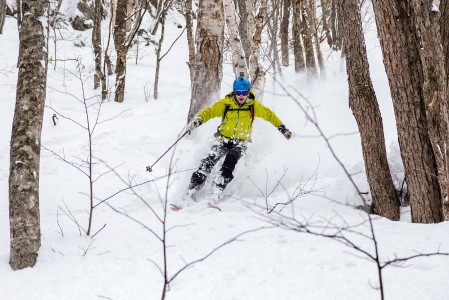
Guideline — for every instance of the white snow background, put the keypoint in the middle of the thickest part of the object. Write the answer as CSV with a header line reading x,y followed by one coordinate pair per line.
x,y
120,261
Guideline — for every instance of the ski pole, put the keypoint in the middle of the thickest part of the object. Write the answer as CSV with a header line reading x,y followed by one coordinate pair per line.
x,y
150,168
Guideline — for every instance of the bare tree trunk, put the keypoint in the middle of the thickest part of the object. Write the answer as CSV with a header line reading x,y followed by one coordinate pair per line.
x,y
209,56
363,102
19,13
257,74
284,33
298,50
96,43
121,49
307,32
401,53
434,90
158,57
2,14
26,135
444,27
190,41
129,12
317,40
333,22
273,19
244,27
238,58
325,9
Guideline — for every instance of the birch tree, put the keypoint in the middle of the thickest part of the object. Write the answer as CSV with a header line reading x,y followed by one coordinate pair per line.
x,y
246,25
257,74
209,55
25,147
99,77
121,49
238,57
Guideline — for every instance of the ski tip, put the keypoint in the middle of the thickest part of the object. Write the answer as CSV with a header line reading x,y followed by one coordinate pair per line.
x,y
174,207
213,206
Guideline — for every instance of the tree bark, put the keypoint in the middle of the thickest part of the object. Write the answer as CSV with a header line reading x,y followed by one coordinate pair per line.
x,y
333,24
257,74
99,77
307,32
121,49
401,52
434,89
158,57
444,27
284,33
2,14
238,57
317,39
325,17
190,41
363,102
298,50
209,56
244,27
26,135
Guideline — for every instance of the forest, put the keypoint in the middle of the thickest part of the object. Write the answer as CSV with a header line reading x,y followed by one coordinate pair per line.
x,y
341,193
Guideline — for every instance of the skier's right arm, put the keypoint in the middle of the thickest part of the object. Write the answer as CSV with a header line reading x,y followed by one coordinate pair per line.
x,y
213,111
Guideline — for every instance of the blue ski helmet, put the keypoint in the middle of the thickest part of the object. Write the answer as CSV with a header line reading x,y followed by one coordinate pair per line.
x,y
241,84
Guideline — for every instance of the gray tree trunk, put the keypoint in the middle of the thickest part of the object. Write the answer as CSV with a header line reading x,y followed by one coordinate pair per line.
x,y
298,50
401,52
434,89
333,24
363,102
99,77
244,27
257,74
188,13
209,56
121,49
24,216
325,9
2,14
307,32
316,38
444,27
284,33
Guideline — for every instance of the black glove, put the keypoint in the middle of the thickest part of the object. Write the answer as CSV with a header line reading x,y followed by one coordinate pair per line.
x,y
287,133
195,123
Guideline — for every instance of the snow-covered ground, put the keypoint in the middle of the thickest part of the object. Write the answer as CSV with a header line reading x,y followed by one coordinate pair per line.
x,y
120,261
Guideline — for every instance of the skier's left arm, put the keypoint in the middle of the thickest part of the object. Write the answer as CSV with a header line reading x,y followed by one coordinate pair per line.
x,y
268,115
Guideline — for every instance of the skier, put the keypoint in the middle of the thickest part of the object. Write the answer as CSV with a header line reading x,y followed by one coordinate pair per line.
x,y
237,111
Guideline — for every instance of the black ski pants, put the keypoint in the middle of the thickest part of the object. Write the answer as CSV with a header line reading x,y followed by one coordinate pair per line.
x,y
233,149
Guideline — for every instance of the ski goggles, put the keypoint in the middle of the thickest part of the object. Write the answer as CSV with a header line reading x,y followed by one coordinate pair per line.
x,y
242,93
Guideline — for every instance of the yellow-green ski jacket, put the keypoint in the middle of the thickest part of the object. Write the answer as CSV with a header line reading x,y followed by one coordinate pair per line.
x,y
238,121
